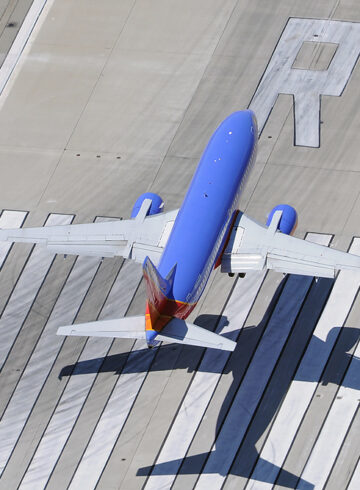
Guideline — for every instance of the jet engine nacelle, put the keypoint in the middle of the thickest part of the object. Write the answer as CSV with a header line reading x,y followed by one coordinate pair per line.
x,y
288,220
157,204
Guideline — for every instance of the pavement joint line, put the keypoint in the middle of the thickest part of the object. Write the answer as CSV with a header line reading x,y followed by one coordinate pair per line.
x,y
15,219
355,478
185,417
92,91
114,417
109,293
282,375
336,425
20,42
300,393
261,367
193,95
247,23
82,274
301,483
29,284
66,412
239,378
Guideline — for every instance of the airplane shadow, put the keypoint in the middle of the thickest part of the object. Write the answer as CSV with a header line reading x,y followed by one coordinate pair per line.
x,y
237,364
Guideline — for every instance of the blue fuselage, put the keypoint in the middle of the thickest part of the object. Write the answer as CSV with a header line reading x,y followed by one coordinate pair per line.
x,y
204,219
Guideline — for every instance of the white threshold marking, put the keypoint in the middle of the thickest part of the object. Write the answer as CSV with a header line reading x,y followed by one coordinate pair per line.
x,y
255,380
20,41
25,291
114,417
302,389
44,355
203,385
116,414
355,479
79,385
333,432
9,219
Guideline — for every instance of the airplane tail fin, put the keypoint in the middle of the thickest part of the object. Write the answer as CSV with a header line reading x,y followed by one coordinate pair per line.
x,y
153,325
158,292
157,287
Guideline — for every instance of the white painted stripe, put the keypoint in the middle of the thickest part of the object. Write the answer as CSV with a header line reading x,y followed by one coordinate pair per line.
x,y
254,383
78,387
355,479
111,423
20,41
114,417
308,374
9,219
44,355
333,433
307,85
203,385
26,290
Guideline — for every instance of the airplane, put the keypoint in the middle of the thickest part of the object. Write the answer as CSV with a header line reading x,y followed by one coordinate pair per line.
x,y
179,249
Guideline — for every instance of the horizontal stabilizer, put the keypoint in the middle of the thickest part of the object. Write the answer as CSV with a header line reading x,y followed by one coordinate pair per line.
x,y
176,330
186,333
132,327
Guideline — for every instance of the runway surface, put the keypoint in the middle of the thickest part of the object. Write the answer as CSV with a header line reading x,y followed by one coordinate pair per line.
x,y
105,100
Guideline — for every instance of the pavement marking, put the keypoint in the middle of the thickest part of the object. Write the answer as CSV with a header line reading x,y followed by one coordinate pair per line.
x,y
281,378
355,479
333,432
17,47
9,219
203,385
255,380
307,86
78,387
303,387
114,416
25,291
112,421
44,355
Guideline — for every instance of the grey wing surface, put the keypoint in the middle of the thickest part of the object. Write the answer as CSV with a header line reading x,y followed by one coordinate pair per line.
x,y
255,247
134,239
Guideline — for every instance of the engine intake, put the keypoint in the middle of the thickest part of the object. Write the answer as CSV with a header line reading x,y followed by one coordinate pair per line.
x,y
157,204
288,220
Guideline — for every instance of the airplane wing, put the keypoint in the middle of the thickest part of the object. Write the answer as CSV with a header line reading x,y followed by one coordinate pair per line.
x,y
176,330
134,239
255,247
